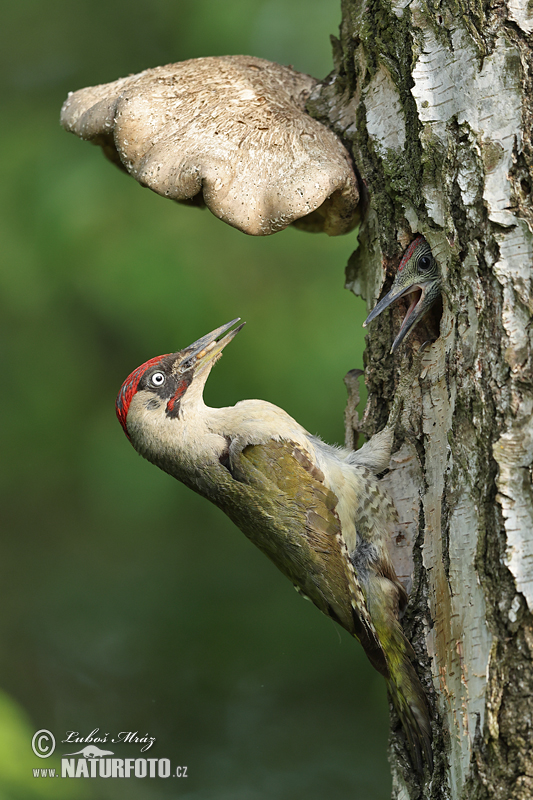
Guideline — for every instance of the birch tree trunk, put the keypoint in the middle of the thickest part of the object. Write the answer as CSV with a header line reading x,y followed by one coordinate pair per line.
x,y
435,102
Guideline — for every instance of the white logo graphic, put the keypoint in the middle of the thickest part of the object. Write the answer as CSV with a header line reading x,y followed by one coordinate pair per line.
x,y
43,743
91,751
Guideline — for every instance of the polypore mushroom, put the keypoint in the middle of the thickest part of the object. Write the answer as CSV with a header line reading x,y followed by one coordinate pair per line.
x,y
228,132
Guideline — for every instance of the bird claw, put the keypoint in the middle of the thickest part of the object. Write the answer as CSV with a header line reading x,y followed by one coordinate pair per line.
x,y
351,416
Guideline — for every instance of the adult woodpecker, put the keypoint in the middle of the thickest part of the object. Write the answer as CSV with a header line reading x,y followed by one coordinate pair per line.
x,y
419,277
315,510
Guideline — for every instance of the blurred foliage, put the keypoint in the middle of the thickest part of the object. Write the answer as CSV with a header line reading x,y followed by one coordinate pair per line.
x,y
128,603
18,761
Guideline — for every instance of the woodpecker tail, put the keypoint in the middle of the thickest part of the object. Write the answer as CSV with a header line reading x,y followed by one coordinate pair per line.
x,y
406,691
385,598
410,702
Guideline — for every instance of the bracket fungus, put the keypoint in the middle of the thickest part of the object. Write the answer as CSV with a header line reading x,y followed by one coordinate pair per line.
x,y
228,132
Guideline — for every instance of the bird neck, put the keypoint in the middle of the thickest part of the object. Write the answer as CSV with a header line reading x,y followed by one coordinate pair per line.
x,y
200,435
171,442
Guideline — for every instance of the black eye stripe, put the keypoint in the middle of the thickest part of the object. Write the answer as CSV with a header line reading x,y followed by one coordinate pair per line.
x,y
166,388
160,387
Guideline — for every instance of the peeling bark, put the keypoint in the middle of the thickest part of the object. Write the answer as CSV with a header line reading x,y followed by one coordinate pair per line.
x,y
435,103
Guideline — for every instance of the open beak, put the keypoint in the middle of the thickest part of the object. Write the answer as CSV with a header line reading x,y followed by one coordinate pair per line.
x,y
209,347
422,297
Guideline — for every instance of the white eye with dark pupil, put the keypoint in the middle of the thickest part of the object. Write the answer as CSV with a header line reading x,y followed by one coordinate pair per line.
x,y
157,379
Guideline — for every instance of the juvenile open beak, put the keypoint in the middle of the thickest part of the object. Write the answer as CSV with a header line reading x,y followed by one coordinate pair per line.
x,y
422,296
206,349
395,293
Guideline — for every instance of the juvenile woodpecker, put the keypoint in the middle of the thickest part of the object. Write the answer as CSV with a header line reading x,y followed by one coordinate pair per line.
x,y
419,277
315,510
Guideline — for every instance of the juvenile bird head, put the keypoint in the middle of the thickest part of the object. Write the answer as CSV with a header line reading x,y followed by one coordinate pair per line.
x,y
419,277
166,384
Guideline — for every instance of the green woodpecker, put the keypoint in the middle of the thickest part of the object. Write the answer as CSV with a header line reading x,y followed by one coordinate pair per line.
x,y
315,510
419,277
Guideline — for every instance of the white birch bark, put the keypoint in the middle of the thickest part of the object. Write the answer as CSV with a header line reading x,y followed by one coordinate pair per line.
x,y
435,103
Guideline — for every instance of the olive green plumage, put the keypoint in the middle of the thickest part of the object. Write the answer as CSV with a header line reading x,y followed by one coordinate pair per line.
x,y
290,515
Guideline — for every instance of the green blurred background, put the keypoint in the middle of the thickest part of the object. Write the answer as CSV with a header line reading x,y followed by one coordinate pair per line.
x,y
128,603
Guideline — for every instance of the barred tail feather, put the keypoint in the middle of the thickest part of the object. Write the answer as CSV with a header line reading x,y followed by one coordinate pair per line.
x,y
410,702
406,691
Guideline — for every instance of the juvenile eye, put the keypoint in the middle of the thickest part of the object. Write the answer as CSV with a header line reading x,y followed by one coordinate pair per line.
x,y
424,262
157,379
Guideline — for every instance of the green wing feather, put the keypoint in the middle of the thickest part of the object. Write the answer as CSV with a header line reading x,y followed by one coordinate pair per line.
x,y
304,538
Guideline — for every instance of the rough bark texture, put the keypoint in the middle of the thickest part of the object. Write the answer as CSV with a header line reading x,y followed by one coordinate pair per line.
x,y
435,102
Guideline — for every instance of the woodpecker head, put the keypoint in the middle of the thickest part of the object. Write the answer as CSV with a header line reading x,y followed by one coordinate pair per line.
x,y
418,277
160,388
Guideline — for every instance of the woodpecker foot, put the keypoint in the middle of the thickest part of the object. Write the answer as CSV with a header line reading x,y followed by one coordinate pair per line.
x,y
351,417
